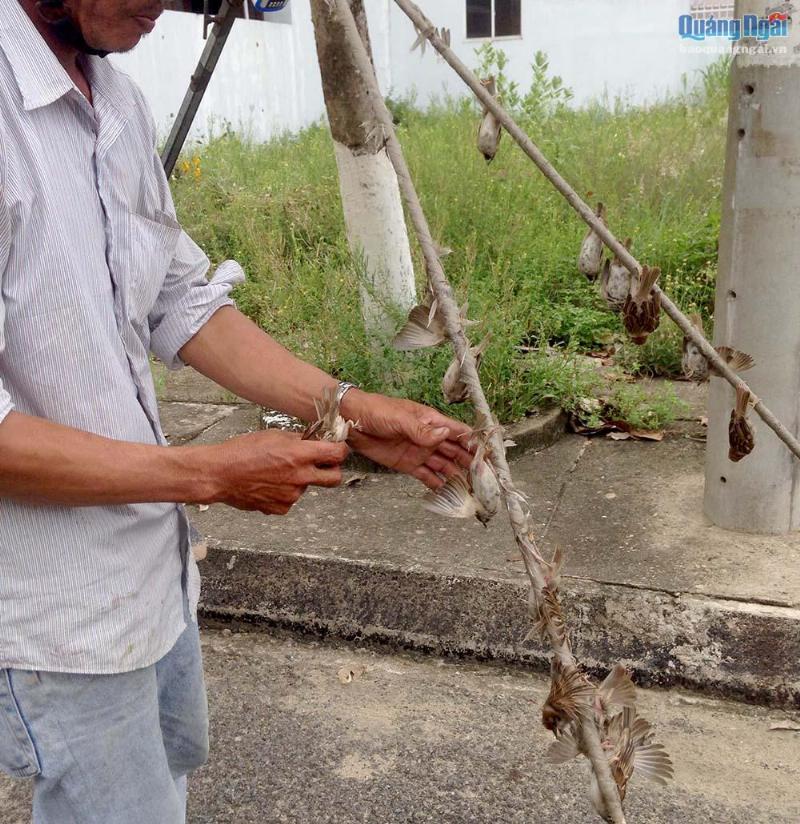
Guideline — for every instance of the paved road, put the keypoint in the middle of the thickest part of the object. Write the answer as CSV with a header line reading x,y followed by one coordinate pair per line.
x,y
424,740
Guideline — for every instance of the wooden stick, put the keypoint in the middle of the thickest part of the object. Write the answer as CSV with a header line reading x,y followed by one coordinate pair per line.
x,y
535,565
588,216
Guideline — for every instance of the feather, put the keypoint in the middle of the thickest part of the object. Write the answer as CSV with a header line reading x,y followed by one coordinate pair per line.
x,y
617,689
453,500
738,361
563,749
423,329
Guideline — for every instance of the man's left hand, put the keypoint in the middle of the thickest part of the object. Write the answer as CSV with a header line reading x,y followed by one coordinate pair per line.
x,y
407,437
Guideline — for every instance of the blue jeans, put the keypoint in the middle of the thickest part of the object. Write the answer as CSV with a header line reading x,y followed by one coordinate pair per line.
x,y
108,749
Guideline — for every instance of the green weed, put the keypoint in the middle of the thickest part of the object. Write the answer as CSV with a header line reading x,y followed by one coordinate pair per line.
x,y
276,209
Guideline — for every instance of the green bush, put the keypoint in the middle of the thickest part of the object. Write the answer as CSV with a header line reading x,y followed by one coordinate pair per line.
x,y
658,169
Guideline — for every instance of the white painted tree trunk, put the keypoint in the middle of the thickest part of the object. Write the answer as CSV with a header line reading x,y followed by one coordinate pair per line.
x,y
373,210
376,231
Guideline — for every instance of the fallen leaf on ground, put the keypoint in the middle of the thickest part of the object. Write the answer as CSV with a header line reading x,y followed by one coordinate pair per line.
x,y
647,435
347,675
785,726
355,480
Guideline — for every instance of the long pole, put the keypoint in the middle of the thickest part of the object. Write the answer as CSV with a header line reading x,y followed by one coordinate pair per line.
x,y
419,19
535,565
199,83
758,300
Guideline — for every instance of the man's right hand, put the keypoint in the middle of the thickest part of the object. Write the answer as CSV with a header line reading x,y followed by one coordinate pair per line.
x,y
269,471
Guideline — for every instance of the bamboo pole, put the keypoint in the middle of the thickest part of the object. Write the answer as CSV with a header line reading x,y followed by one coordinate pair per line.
x,y
427,28
535,565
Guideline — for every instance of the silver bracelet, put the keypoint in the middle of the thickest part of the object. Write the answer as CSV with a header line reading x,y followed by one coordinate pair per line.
x,y
341,390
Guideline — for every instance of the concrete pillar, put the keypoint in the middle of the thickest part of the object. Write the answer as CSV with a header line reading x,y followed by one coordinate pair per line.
x,y
758,288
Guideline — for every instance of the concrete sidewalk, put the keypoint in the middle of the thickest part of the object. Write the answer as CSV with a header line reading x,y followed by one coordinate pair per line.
x,y
649,581
421,739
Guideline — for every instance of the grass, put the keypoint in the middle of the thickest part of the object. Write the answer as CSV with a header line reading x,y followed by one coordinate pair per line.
x,y
276,209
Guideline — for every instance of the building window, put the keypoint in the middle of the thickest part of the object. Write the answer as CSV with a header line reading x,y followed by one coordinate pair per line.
x,y
245,10
704,9
494,18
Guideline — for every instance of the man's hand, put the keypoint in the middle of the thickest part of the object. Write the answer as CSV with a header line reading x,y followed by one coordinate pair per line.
x,y
407,436
269,471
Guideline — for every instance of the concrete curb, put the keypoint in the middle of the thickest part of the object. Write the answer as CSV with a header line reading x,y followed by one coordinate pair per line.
x,y
746,651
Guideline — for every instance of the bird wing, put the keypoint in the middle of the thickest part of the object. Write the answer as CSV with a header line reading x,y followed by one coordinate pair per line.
x,y
422,329
618,688
563,749
652,761
738,361
453,500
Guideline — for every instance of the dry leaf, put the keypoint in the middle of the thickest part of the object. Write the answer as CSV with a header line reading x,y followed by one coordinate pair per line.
x,y
355,480
785,726
619,436
647,435
347,675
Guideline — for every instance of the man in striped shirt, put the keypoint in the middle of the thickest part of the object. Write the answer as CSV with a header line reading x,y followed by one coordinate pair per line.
x,y
101,690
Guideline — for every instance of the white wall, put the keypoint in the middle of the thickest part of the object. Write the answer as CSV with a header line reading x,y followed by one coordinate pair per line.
x,y
620,47
267,81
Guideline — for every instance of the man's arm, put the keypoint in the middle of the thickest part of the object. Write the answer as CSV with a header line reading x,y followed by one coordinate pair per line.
x,y
44,463
235,353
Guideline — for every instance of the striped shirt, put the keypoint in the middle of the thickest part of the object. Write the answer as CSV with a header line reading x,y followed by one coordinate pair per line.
x,y
95,273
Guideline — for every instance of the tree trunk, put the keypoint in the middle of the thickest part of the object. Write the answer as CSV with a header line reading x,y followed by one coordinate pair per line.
x,y
373,210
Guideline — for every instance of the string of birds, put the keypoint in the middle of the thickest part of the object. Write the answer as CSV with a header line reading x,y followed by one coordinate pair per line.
x,y
574,702
626,738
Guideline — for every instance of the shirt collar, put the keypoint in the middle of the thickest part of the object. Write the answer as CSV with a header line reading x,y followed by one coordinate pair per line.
x,y
41,78
109,83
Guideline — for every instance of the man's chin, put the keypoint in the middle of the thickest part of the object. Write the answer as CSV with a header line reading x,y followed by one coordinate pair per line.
x,y
123,45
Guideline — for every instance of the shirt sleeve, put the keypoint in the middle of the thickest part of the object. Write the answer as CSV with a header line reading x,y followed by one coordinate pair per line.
x,y
187,299
6,405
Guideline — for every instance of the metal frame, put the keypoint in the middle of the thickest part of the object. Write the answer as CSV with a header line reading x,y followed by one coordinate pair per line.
x,y
223,23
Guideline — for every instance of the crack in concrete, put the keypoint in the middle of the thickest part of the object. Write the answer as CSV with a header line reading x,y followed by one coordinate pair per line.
x,y
704,596
563,488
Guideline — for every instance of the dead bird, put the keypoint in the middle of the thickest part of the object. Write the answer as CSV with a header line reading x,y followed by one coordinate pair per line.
x,y
456,499
615,282
453,387
489,131
696,366
641,313
570,698
330,425
590,258
483,479
741,436
630,748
